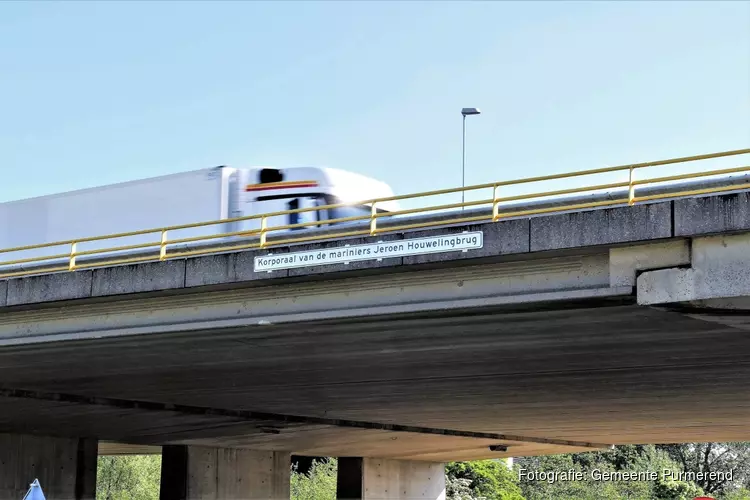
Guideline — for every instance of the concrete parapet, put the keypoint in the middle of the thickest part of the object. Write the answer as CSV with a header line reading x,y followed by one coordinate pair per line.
x,y
228,268
712,214
601,227
148,277
49,288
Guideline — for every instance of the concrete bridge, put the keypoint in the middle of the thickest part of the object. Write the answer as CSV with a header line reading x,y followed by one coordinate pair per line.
x,y
565,332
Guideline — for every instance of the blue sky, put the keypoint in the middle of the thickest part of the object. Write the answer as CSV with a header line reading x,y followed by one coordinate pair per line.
x,y
95,93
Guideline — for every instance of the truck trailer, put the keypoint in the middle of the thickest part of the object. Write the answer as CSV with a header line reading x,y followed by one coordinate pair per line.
x,y
211,194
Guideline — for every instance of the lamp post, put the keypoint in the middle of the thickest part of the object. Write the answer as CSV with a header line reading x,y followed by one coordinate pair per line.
x,y
465,112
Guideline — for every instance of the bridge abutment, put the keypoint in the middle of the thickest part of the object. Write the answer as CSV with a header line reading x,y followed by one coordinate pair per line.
x,y
194,472
65,467
377,478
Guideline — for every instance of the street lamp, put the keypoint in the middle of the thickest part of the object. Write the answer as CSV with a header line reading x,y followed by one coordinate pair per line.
x,y
465,112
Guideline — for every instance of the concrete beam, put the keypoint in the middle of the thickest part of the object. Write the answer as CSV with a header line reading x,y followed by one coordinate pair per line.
x,y
384,479
626,262
718,270
192,472
66,468
109,448
500,284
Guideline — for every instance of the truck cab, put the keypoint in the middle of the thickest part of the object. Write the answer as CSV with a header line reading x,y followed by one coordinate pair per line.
x,y
266,190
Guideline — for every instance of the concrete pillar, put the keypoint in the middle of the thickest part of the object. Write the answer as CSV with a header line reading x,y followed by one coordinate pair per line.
x,y
193,472
385,479
65,467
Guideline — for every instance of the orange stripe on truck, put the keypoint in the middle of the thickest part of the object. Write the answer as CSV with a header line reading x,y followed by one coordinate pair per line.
x,y
281,185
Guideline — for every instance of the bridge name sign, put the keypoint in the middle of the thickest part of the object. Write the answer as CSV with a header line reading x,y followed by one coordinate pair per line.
x,y
461,242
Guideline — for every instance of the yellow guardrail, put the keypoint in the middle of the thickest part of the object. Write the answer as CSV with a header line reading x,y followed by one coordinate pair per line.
x,y
260,236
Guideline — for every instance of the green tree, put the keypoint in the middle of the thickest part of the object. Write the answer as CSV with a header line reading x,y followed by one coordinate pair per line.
x,y
658,460
483,479
318,484
629,458
714,457
128,477
457,488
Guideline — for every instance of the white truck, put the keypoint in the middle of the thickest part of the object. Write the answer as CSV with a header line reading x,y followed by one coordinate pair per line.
x,y
178,199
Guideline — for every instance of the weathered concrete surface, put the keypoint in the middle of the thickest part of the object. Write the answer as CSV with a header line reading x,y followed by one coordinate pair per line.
x,y
49,288
601,227
65,467
626,262
666,286
196,473
383,479
228,268
3,293
712,214
147,277
402,479
719,269
426,290
500,238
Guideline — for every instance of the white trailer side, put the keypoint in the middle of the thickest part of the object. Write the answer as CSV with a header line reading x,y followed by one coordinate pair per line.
x,y
183,198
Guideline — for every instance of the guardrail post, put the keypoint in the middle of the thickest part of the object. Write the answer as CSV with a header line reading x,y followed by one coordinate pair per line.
x,y
495,208
263,226
631,187
163,245
373,219
72,261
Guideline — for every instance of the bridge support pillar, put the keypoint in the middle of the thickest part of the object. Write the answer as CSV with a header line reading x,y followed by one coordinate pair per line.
x,y
386,479
65,467
194,472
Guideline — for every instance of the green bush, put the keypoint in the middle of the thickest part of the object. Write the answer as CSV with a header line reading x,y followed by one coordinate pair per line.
x,y
318,484
128,477
482,479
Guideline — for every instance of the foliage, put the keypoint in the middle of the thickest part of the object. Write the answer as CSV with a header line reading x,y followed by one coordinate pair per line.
x,y
485,479
128,477
656,459
632,459
318,484
621,458
737,494
457,488
585,489
713,457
